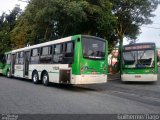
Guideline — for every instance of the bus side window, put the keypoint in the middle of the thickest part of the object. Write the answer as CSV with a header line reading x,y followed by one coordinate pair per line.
x,y
68,53
46,55
57,55
20,58
17,56
8,58
35,56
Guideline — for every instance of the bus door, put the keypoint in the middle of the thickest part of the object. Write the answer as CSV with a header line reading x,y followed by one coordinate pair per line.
x,y
26,63
13,56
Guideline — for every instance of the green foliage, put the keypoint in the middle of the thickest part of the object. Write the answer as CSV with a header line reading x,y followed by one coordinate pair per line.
x,y
7,23
47,20
131,14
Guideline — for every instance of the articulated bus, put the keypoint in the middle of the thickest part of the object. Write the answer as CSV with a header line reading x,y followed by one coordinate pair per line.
x,y
78,59
139,62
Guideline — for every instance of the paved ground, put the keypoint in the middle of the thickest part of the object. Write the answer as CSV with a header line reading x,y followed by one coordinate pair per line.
x,y
21,96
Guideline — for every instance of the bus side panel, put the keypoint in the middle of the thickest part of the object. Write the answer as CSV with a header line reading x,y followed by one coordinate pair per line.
x,y
18,71
53,70
5,69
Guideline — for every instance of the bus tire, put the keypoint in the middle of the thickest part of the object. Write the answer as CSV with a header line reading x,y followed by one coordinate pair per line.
x,y
8,74
35,77
45,79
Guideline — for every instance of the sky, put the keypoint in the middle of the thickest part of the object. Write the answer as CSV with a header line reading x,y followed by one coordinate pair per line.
x,y
8,5
149,33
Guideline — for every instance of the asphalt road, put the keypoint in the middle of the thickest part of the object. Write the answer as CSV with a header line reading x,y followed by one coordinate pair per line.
x,y
19,96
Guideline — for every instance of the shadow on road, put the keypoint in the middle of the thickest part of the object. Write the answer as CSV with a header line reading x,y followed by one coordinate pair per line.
x,y
76,88
92,87
139,83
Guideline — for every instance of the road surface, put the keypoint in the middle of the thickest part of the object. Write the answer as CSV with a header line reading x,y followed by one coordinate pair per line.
x,y
19,96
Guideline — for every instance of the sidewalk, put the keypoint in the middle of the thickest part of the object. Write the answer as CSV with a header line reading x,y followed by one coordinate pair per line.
x,y
113,76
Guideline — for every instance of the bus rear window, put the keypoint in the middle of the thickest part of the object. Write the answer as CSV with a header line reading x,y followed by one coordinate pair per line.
x,y
93,48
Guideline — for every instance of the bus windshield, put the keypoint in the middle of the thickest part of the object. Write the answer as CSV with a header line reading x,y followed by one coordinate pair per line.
x,y
138,59
93,48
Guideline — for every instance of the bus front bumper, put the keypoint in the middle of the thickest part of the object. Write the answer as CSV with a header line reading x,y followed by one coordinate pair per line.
x,y
139,77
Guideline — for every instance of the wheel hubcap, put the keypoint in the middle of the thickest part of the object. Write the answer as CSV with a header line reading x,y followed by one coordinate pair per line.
x,y
35,78
8,74
45,79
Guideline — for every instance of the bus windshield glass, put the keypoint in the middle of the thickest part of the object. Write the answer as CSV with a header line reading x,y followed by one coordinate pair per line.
x,y
138,59
93,48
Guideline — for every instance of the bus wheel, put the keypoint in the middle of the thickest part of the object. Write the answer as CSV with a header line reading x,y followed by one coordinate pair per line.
x,y
8,73
35,77
45,79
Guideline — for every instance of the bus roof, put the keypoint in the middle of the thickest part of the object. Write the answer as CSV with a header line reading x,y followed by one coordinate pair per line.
x,y
50,43
42,44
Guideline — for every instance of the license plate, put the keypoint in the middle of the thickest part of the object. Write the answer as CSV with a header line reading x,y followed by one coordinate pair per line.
x,y
137,76
94,73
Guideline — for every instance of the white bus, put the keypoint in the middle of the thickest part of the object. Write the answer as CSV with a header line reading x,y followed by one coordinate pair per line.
x,y
76,59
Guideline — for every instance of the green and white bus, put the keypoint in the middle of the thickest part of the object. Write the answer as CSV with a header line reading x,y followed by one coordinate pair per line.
x,y
139,62
78,59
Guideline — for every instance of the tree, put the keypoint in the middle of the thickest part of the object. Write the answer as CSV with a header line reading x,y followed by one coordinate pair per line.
x,y
7,23
43,21
131,14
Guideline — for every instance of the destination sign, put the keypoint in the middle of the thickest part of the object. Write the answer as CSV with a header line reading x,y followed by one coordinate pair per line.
x,y
137,47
